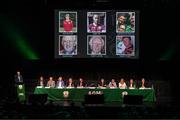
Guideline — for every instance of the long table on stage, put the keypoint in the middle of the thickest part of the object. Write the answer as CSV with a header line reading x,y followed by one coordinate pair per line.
x,y
78,94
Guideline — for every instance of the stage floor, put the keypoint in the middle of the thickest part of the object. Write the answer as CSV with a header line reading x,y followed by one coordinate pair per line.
x,y
80,110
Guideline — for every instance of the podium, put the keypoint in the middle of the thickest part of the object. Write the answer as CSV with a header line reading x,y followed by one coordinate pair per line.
x,y
20,91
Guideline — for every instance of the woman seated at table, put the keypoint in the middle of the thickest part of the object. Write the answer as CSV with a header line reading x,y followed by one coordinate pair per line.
x,y
70,83
51,82
102,83
132,85
142,84
81,83
112,84
122,84
41,82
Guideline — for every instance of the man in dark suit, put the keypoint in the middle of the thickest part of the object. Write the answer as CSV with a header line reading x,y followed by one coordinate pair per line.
x,y
102,83
18,85
81,83
18,78
132,84
41,81
60,83
70,83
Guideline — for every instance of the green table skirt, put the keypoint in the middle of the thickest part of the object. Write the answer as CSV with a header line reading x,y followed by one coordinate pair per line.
x,y
77,94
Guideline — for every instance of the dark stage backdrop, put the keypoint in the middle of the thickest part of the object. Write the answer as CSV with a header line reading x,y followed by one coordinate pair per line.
x,y
28,42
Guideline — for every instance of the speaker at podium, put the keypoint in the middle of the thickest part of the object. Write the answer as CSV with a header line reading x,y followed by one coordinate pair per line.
x,y
20,88
133,99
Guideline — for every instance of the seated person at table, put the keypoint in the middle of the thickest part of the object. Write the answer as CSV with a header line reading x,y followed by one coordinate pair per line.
x,y
102,83
112,84
81,83
122,84
60,83
41,82
51,82
132,85
142,84
70,83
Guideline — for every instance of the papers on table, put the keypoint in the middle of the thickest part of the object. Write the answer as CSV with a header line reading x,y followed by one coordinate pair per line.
x,y
47,87
102,87
69,87
60,87
39,86
91,87
131,88
113,87
80,87
144,88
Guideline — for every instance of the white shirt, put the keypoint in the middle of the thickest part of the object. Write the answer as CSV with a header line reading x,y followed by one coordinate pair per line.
x,y
41,83
122,86
60,84
131,86
19,78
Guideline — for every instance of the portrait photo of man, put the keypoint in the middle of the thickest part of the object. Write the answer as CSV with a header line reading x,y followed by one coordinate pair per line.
x,y
67,45
96,22
125,22
96,45
125,45
67,21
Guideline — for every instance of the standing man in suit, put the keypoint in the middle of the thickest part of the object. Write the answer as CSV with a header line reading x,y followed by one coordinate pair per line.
x,y
19,87
18,78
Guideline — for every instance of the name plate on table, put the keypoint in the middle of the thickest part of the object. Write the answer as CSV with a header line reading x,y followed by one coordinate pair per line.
x,y
102,87
144,88
69,87
80,87
39,86
112,87
91,87
47,87
60,87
